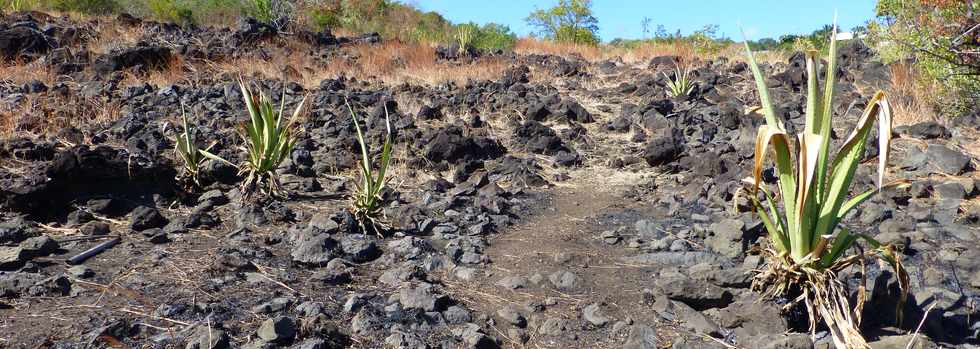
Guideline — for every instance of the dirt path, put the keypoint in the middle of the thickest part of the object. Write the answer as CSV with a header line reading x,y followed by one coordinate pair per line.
x,y
553,266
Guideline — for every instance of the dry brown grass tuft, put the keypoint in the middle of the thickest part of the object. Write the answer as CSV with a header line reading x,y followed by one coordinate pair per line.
x,y
50,113
736,53
391,62
912,99
112,34
21,73
641,53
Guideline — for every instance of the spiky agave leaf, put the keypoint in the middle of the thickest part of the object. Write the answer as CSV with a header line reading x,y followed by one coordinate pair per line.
x,y
267,141
367,201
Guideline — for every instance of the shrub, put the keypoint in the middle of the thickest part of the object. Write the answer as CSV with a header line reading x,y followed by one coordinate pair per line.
x,y
19,5
367,200
806,252
171,11
493,36
85,6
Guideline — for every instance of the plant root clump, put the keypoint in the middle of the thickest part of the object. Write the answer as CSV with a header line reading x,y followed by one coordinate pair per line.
x,y
825,296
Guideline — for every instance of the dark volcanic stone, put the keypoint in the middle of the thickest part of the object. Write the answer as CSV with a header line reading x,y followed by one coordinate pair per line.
x,y
663,149
450,145
422,297
539,139
144,217
315,250
277,329
925,130
359,248
947,160
14,284
143,57
697,294
21,40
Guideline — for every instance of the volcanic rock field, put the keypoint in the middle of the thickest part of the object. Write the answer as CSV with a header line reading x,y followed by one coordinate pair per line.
x,y
564,203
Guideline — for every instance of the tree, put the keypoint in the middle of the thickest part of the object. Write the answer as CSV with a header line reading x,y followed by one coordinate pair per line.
x,y
942,37
568,21
645,23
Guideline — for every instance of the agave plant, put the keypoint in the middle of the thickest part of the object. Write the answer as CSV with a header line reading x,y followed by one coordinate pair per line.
x,y
680,85
185,148
464,37
367,200
809,244
268,139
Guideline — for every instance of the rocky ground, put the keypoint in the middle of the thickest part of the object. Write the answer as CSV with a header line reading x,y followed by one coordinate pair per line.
x,y
563,204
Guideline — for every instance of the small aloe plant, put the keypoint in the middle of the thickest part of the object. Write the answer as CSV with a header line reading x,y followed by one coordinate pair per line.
x,y
809,243
268,139
680,85
186,149
367,200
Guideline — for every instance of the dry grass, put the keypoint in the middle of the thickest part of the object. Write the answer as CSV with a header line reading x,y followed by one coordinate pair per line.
x,y
641,53
912,99
21,73
112,34
49,113
391,62
736,53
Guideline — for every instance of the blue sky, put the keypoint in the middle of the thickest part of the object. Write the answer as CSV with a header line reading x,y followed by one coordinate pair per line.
x,y
621,18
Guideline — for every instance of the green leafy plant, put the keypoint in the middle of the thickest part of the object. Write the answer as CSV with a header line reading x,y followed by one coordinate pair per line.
x,y
809,245
680,85
85,6
268,139
171,10
20,5
268,11
185,147
493,36
367,200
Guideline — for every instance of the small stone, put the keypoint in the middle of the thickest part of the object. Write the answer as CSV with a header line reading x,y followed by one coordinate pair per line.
x,y
272,306
277,329
512,282
359,249
512,316
594,315
641,337
144,217
610,237
563,280
950,190
552,326
315,250
455,315
947,160
422,297
81,271
95,228
208,338
309,309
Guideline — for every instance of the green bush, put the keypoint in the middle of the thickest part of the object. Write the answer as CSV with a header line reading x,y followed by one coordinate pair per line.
x,y
85,6
493,36
171,11
937,37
